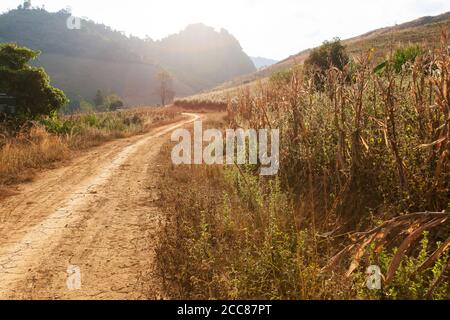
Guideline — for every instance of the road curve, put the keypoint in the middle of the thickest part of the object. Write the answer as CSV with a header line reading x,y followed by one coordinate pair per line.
x,y
94,214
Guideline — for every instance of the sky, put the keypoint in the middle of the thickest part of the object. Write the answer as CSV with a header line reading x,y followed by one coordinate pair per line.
x,y
268,28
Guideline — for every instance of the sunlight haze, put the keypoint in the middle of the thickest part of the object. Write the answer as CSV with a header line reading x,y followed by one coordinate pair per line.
x,y
264,28
200,154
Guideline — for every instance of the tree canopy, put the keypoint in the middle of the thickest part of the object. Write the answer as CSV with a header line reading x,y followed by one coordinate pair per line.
x,y
329,54
29,85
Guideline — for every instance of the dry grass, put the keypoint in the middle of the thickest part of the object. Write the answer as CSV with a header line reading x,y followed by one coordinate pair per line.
x,y
41,145
364,161
230,236
201,105
32,150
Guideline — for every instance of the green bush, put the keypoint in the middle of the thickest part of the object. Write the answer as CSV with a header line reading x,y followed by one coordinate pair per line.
x,y
56,125
402,56
90,119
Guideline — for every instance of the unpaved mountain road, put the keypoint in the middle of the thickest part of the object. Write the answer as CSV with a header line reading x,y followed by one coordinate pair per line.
x,y
96,214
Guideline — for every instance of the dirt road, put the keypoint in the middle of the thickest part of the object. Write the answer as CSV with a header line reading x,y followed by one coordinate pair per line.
x,y
94,215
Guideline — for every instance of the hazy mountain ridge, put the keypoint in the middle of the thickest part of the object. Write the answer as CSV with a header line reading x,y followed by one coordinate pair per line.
x,y
424,30
209,55
97,57
261,62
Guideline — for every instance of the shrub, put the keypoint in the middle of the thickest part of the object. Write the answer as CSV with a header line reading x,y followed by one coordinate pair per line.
x,y
329,54
402,56
56,125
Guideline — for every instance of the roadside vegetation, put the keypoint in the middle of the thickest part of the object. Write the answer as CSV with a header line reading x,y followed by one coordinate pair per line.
x,y
39,144
364,181
200,105
34,133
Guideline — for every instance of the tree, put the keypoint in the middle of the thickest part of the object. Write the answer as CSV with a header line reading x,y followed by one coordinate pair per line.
x,y
330,54
165,89
28,84
99,99
27,4
116,105
114,102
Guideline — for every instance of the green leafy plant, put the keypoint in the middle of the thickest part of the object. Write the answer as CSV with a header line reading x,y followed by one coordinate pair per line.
x,y
408,283
405,55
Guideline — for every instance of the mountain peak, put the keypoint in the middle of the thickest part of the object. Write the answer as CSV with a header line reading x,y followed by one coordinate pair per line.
x,y
98,57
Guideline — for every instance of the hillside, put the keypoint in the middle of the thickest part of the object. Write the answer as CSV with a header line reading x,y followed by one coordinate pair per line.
x,y
425,30
261,62
97,57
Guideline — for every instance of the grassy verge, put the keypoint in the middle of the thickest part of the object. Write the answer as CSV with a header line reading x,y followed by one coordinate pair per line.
x,y
232,235
41,144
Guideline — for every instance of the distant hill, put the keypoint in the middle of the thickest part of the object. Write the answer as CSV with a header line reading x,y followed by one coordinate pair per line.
x,y
425,30
261,63
98,57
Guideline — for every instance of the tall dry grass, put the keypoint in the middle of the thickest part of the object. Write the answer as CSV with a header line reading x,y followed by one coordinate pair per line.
x,y
364,180
367,144
31,150
200,105
40,144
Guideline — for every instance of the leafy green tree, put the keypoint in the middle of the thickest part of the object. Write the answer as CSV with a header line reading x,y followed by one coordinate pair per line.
x,y
117,105
29,85
401,59
330,54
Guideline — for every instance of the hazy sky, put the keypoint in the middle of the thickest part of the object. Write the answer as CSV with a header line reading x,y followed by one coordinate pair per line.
x,y
268,28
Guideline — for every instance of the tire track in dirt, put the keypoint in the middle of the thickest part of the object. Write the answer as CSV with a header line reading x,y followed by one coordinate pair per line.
x,y
94,213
